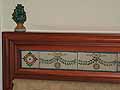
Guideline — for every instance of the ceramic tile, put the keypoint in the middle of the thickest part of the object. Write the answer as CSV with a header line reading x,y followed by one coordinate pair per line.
x,y
30,59
70,60
118,68
58,60
97,61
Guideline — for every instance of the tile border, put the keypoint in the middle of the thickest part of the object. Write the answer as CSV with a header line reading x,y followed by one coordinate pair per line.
x,y
77,53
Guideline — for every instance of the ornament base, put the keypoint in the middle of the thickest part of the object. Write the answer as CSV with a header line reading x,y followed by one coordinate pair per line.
x,y
20,28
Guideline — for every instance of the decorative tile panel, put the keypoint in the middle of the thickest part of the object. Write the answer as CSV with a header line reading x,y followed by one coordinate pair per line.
x,y
83,61
118,68
97,61
30,59
58,60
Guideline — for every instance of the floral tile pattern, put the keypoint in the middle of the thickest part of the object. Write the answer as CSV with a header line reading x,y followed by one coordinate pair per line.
x,y
30,59
85,61
118,68
97,61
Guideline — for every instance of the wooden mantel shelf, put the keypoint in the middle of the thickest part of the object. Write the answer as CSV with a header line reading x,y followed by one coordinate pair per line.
x,y
60,56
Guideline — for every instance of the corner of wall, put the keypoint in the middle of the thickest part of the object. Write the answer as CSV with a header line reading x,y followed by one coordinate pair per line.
x,y
0,44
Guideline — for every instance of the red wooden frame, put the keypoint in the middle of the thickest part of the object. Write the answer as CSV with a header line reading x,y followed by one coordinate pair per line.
x,y
14,41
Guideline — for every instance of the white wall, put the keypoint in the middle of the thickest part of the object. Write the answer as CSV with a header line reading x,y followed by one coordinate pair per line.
x,y
69,15
0,47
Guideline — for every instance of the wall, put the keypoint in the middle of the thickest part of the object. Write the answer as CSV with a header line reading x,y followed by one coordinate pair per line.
x,y
66,15
0,48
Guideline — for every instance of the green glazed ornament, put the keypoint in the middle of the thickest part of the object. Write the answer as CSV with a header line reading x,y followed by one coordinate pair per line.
x,y
19,16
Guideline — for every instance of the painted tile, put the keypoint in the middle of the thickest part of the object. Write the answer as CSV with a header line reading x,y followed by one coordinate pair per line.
x,y
97,61
118,67
58,60
30,59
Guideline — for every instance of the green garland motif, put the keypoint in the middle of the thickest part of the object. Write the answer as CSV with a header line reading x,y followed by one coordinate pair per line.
x,y
100,61
105,63
81,62
118,63
48,61
58,59
85,62
96,61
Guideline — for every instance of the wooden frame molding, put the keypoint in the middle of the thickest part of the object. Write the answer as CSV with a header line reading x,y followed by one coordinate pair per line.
x,y
14,41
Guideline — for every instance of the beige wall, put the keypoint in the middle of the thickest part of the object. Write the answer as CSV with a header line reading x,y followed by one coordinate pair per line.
x,y
66,15
0,48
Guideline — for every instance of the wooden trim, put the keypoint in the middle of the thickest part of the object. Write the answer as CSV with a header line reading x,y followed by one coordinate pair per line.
x,y
13,41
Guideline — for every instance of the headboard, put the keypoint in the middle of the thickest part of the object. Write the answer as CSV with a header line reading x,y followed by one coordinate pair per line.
x,y
60,56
